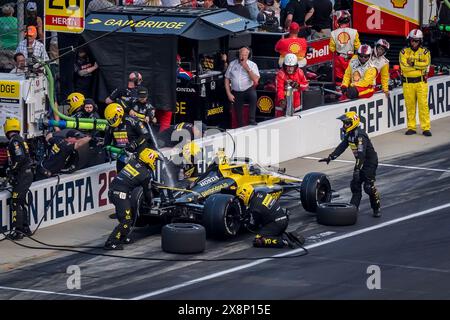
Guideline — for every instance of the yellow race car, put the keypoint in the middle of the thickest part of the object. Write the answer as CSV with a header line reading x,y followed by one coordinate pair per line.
x,y
219,198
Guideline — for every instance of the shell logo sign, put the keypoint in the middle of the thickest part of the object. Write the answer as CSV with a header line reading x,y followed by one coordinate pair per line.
x,y
399,4
294,48
265,104
343,38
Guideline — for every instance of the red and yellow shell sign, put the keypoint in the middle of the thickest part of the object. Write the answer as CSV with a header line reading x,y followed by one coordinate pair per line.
x,y
343,38
399,4
294,48
265,104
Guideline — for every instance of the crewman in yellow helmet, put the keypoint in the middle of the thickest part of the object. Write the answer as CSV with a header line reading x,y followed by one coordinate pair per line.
x,y
366,157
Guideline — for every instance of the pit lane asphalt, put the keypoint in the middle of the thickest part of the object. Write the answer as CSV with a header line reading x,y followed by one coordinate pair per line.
x,y
413,255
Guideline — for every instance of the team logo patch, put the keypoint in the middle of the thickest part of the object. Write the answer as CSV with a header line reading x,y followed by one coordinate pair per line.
x,y
294,48
265,104
343,38
399,4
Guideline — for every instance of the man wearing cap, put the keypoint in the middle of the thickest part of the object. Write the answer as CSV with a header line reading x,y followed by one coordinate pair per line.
x,y
124,96
141,107
31,46
32,19
292,44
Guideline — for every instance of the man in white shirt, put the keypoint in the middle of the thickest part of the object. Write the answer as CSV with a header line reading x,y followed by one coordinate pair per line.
x,y
241,79
31,45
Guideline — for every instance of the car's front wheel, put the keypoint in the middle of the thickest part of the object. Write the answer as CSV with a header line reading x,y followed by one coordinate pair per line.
x,y
222,216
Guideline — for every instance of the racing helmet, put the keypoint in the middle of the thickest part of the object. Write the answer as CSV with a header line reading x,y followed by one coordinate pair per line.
x,y
190,151
135,77
149,157
364,53
343,17
76,101
114,114
381,43
415,34
350,121
11,124
290,60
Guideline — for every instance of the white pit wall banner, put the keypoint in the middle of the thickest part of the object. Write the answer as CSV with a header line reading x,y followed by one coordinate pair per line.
x,y
271,142
77,195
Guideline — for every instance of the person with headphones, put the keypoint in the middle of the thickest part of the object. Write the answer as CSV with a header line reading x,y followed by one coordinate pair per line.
x,y
415,61
366,157
20,178
125,132
241,78
360,75
124,96
138,172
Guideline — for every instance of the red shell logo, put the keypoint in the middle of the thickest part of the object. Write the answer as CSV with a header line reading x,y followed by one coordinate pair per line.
x,y
399,4
265,104
343,38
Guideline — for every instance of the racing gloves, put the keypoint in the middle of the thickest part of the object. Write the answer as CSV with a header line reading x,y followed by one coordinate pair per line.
x,y
327,159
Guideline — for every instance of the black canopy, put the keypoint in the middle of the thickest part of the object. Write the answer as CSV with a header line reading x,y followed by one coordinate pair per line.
x,y
145,39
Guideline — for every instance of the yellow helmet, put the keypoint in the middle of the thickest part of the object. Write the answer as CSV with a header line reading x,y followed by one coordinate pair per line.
x,y
190,150
149,157
11,124
114,114
76,101
350,120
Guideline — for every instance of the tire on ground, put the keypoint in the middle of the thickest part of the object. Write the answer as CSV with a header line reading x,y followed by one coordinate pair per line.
x,y
337,214
222,216
315,189
183,238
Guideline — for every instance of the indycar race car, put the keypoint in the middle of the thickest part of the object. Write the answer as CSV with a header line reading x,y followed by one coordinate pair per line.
x,y
219,198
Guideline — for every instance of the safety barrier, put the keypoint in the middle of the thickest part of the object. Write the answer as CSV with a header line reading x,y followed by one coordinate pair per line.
x,y
269,143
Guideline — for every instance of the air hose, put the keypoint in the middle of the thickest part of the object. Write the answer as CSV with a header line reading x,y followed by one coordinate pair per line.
x,y
97,124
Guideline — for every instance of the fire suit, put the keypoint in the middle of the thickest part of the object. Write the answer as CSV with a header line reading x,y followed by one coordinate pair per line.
x,y
414,67
142,110
59,156
21,177
295,45
282,78
382,66
134,174
343,43
270,218
365,167
131,134
359,79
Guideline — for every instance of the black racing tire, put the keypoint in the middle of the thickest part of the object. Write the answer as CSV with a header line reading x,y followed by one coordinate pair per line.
x,y
137,197
337,214
315,189
222,216
183,238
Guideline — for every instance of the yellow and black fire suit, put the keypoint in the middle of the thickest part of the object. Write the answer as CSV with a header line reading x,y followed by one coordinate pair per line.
x,y
365,168
414,67
131,134
134,174
21,177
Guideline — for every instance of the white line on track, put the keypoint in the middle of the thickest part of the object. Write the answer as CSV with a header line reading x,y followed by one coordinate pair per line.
x,y
386,165
58,293
299,250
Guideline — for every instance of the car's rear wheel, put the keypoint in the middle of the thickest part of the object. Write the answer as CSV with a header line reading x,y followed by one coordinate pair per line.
x,y
315,189
222,216
183,238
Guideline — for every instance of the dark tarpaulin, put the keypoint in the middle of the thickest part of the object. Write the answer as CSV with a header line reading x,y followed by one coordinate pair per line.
x,y
153,56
